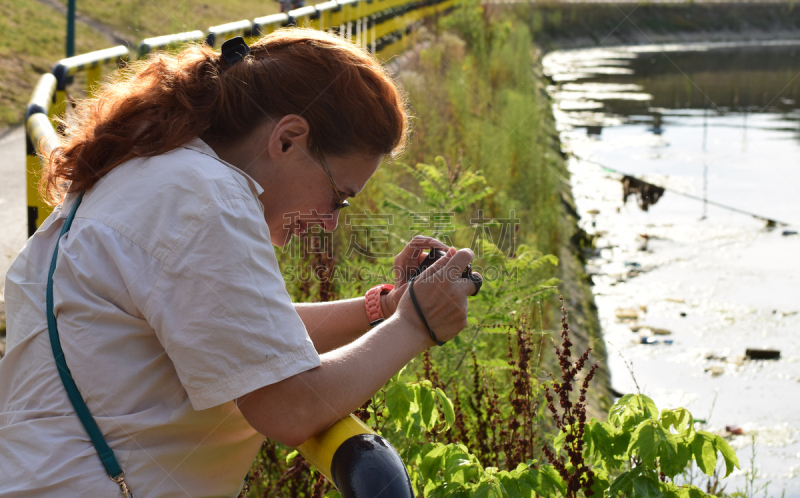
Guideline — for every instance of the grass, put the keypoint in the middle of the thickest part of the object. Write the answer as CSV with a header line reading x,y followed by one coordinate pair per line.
x,y
137,20
33,37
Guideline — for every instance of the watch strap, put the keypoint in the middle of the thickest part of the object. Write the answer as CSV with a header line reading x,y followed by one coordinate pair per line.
x,y
373,303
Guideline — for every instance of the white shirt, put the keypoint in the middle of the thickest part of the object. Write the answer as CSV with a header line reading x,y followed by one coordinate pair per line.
x,y
170,304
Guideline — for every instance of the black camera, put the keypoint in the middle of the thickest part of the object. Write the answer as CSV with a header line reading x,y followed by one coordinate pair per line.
x,y
436,254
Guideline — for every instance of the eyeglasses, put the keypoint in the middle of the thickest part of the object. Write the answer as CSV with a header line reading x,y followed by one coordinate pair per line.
x,y
340,204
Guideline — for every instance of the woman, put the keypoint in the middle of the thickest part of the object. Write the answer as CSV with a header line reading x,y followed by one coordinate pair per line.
x,y
168,300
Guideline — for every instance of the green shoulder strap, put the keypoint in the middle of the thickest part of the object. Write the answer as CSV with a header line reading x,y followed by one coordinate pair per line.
x,y
103,450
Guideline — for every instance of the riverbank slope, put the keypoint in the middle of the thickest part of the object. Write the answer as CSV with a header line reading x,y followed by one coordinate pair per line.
x,y
607,24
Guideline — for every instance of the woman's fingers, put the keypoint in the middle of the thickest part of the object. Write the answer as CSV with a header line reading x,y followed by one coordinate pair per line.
x,y
406,263
455,270
458,263
413,254
441,294
415,247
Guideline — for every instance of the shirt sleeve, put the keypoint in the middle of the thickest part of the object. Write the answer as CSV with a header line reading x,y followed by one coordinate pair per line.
x,y
221,310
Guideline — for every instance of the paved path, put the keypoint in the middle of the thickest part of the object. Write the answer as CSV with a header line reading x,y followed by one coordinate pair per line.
x,y
13,204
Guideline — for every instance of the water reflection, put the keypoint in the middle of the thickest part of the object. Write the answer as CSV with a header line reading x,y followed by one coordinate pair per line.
x,y
718,122
716,113
637,81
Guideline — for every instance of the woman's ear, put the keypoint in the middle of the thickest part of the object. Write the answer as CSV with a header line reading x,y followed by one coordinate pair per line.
x,y
290,137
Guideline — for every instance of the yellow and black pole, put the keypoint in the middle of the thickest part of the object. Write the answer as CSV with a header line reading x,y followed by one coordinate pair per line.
x,y
49,101
360,463
39,134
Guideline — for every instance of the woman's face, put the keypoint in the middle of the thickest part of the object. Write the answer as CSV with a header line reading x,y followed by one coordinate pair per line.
x,y
301,194
298,193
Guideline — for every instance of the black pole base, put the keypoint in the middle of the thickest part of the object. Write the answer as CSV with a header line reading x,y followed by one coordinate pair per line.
x,y
367,466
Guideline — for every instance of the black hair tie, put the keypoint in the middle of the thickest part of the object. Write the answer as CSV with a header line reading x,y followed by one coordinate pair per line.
x,y
235,50
419,311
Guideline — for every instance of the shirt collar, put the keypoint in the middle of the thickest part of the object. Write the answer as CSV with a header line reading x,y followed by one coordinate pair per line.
x,y
198,145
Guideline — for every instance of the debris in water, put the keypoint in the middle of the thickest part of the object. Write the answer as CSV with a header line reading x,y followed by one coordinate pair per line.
x,y
626,314
683,314
738,431
647,194
715,371
651,341
762,354
660,331
787,233
642,239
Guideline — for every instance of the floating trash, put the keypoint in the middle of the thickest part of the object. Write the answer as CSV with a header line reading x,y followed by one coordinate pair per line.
x,y
762,354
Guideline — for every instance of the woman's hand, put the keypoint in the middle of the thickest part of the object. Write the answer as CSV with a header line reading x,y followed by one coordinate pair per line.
x,y
441,293
404,265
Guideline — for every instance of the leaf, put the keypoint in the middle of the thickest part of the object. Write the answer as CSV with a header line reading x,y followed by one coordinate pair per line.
x,y
674,464
447,408
690,491
602,441
459,468
291,456
432,463
413,455
731,460
399,207
668,450
601,482
545,480
333,494
488,489
648,405
669,489
645,486
705,453
446,490
647,441
514,485
427,407
559,440
624,482
680,419
630,410
399,398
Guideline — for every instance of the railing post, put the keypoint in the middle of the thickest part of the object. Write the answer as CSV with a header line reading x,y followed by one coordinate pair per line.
x,y
41,104
94,77
32,175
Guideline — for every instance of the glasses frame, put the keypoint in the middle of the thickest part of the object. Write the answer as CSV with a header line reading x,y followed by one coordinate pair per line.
x,y
341,204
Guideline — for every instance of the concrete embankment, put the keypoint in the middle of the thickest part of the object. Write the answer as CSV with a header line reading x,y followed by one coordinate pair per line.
x,y
574,25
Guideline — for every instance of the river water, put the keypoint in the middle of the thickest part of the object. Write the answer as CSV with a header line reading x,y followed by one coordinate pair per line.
x,y
686,287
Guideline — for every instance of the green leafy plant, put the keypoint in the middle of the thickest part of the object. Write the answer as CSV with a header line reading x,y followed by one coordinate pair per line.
x,y
651,449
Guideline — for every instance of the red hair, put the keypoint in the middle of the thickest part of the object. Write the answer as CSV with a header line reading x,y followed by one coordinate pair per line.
x,y
153,106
